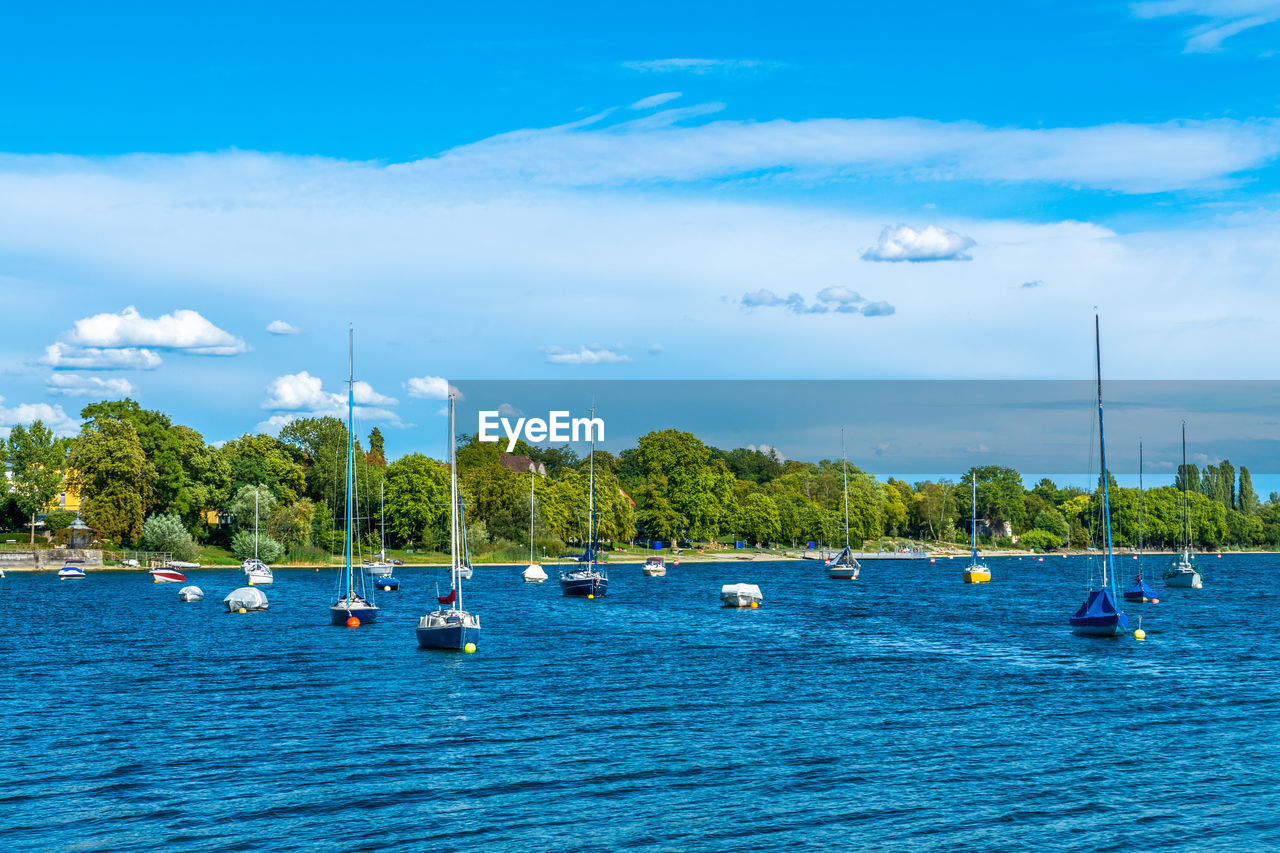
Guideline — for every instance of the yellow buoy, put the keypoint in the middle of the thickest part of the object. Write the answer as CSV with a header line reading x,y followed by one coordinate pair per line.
x,y
589,595
469,647
242,610
1139,634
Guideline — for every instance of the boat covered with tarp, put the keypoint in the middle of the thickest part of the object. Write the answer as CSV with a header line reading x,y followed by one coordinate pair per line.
x,y
245,598
740,595
191,593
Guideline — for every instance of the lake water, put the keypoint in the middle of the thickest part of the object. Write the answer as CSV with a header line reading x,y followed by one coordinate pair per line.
x,y
901,711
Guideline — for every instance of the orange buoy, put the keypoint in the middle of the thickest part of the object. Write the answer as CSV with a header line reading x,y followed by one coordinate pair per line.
x,y
755,605
353,622
675,562
1155,601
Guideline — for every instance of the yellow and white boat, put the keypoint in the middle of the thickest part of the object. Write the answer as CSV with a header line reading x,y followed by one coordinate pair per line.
x,y
976,572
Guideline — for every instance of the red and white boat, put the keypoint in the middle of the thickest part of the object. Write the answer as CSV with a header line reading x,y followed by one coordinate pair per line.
x,y
168,574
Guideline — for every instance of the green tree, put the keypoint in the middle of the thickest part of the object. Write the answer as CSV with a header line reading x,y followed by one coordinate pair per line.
x,y
1246,497
242,506
417,497
376,455
167,533
678,473
36,464
266,460
108,466
1039,540
268,550
758,518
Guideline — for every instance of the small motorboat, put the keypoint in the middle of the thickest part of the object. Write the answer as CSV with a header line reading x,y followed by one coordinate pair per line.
x,y
534,574
70,573
165,574
378,568
387,583
179,564
191,593
655,567
741,595
244,599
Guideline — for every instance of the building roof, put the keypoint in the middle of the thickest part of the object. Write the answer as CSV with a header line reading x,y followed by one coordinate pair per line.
x,y
521,464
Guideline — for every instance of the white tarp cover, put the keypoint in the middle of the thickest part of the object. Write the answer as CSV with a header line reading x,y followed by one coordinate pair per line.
x,y
740,592
191,593
248,597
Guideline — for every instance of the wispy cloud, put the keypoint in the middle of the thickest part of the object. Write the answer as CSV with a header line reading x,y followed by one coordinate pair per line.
x,y
280,327
836,299
699,66
654,100
431,388
1028,285
304,394
583,355
931,243
75,385
63,356
1226,18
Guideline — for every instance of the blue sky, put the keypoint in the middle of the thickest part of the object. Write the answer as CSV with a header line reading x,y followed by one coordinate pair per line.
x,y
625,191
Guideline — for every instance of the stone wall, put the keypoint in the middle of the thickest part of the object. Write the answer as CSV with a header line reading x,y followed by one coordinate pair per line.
x,y
43,558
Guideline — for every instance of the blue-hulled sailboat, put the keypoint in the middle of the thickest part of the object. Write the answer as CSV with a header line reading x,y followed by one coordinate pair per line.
x,y
977,572
1099,616
587,581
451,627
1140,593
354,600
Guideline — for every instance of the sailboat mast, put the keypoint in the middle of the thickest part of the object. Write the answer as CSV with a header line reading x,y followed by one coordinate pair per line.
x,y
453,505
351,423
255,522
591,497
533,497
382,509
1186,522
1108,570
1140,497
844,457
973,521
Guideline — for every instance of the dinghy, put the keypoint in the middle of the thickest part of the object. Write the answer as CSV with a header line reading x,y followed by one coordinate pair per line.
x,y
741,595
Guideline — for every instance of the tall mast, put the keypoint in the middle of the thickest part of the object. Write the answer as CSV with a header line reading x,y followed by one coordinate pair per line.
x,y
453,505
844,457
382,508
1186,523
1140,496
533,490
255,522
591,497
1107,568
973,521
351,408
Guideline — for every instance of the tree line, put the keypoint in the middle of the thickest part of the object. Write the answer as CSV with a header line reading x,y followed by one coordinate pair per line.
x,y
147,482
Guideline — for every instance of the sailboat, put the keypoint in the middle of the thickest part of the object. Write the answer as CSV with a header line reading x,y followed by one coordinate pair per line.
x,y
587,581
1140,592
843,566
352,606
1099,616
256,572
535,573
977,572
380,569
1182,571
451,627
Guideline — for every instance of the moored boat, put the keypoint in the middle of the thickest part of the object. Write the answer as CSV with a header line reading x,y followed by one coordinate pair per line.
x,y
1140,593
164,574
741,595
976,572
1099,616
843,566
70,573
355,605
655,567
534,574
1182,572
191,593
245,599
450,626
387,584
587,581
256,572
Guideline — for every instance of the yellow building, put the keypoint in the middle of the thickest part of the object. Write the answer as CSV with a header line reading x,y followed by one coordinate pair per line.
x,y
68,497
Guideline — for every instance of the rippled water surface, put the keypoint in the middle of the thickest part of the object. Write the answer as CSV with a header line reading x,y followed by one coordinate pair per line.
x,y
902,711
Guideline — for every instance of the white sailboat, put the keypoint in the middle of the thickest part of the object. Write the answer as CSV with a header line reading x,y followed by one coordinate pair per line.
x,y
843,566
256,572
355,605
535,573
451,627
1182,572
380,568
977,572
587,580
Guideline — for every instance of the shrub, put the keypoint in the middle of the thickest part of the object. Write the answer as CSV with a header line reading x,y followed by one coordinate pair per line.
x,y
168,533
1041,540
269,550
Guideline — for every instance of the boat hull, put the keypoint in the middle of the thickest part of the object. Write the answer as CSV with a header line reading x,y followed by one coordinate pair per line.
x,y
167,576
534,574
977,576
341,612
1184,580
258,579
378,570
71,575
1101,628
842,573
387,584
583,587
655,571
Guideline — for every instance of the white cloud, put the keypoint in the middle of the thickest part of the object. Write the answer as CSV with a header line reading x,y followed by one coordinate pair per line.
x,y
26,414
698,66
583,355
878,309
509,411
654,100
75,385
767,450
60,355
303,393
841,300
1226,18
280,327
931,243
184,330
429,388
